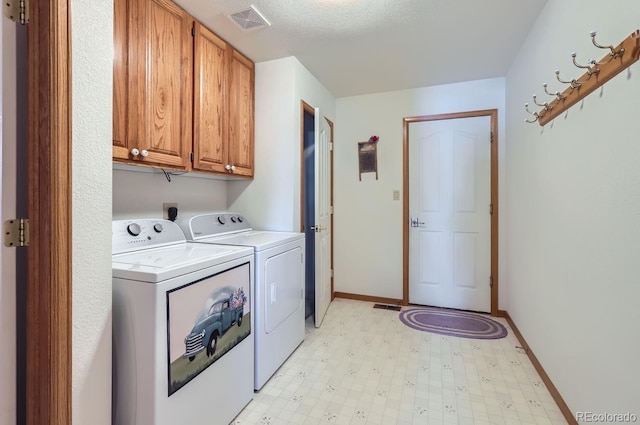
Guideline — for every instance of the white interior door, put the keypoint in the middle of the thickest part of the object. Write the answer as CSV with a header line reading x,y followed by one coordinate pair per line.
x,y
450,221
8,204
322,217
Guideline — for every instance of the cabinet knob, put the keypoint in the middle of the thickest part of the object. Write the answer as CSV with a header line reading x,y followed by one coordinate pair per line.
x,y
135,152
233,168
227,167
144,153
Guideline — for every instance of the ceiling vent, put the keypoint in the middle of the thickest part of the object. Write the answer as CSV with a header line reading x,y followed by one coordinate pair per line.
x,y
249,19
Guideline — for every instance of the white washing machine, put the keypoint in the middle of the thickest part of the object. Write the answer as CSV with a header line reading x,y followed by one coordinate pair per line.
x,y
279,284
182,323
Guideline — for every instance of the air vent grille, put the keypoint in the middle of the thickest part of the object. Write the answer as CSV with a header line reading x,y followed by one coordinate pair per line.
x,y
249,19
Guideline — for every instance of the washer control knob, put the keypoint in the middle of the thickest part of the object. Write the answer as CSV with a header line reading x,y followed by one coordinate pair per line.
x,y
240,219
233,219
221,219
157,227
134,229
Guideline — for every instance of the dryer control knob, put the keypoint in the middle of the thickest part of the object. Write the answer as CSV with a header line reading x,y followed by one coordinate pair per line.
x,y
157,227
240,219
233,219
134,229
221,219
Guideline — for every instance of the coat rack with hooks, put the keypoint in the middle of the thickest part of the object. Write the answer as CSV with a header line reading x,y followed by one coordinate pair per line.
x,y
597,73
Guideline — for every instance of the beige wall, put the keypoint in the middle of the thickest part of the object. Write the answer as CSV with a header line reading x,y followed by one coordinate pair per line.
x,y
272,199
92,31
141,193
573,199
368,222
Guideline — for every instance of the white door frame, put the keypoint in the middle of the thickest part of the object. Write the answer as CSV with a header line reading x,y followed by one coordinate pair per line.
x,y
493,113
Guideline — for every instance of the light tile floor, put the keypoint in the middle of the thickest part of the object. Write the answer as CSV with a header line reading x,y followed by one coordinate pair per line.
x,y
363,366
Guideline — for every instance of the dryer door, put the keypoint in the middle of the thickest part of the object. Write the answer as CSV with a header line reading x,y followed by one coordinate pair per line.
x,y
282,287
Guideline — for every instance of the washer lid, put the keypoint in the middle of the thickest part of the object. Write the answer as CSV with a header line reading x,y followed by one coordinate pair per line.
x,y
259,239
158,264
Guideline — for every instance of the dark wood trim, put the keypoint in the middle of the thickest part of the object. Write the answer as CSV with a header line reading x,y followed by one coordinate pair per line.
x,y
48,370
368,298
493,113
562,405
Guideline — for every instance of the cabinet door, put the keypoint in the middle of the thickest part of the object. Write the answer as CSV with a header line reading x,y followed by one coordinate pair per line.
x,y
241,114
159,97
209,101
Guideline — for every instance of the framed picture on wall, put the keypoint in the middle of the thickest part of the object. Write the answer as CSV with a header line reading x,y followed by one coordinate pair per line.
x,y
367,158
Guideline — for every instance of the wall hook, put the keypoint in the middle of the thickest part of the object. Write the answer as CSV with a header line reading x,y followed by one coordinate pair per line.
x,y
574,83
535,114
545,105
612,53
591,63
557,94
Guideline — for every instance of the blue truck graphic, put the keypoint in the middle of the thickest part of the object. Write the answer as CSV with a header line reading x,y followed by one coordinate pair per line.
x,y
221,316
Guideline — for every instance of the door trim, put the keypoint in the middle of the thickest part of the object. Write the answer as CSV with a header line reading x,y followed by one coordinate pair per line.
x,y
49,277
493,113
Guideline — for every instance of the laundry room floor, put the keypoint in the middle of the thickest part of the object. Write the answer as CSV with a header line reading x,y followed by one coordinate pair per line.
x,y
363,366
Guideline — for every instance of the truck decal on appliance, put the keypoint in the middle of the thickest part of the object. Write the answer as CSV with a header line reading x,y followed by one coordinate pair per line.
x,y
205,320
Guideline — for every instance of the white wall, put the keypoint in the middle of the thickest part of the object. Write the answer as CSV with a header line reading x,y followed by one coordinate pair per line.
x,y
140,194
92,31
272,199
368,222
573,194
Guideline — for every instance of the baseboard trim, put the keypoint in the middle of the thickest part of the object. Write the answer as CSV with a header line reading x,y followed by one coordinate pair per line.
x,y
370,298
536,364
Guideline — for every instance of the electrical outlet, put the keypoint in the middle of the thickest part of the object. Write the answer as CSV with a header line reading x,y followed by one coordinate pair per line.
x,y
396,195
165,209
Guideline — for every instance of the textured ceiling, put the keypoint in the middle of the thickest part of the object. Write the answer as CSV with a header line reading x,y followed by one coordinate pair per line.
x,y
368,46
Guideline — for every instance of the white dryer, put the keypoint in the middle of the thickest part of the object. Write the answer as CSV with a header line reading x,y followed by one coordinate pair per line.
x,y
182,324
279,284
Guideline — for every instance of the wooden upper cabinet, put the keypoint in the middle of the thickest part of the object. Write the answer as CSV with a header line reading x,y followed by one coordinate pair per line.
x,y
179,89
158,87
241,114
210,151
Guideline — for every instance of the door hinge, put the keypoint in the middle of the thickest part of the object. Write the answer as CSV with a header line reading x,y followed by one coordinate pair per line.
x,y
16,232
490,209
191,156
492,137
17,11
331,146
193,31
331,272
331,209
491,281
